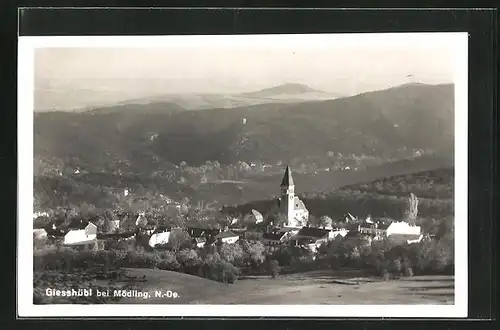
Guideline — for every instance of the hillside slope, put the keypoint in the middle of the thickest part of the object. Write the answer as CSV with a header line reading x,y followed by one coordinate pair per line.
x,y
375,123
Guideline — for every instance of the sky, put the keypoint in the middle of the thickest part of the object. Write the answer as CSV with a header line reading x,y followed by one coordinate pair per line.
x,y
239,65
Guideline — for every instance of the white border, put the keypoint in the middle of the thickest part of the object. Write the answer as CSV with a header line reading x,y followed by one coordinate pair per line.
x,y
27,45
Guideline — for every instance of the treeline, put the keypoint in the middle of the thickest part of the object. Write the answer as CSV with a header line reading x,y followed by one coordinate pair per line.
x,y
381,198
427,184
388,260
222,263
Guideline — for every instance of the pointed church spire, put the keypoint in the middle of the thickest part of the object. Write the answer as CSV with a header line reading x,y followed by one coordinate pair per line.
x,y
287,179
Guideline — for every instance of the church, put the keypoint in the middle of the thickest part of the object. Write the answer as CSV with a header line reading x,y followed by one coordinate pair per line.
x,y
290,205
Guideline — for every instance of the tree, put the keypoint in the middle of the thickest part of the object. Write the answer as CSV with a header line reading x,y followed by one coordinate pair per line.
x,y
254,253
396,267
179,239
274,268
325,221
189,261
411,211
232,253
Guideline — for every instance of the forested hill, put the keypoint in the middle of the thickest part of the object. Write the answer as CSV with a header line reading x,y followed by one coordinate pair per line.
x,y
381,198
153,135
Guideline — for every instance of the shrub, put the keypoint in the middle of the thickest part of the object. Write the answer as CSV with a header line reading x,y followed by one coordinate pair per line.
x,y
385,274
168,261
220,270
395,267
408,272
274,268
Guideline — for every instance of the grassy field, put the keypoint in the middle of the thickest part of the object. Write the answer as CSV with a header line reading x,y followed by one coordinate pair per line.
x,y
316,287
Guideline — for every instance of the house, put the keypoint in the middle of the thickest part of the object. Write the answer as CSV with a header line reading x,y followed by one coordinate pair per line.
x,y
227,237
117,236
273,238
200,242
81,233
312,237
39,233
401,232
292,206
363,238
239,231
254,216
376,230
161,235
335,232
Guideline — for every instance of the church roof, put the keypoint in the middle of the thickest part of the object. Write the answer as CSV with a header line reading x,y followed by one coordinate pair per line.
x,y
298,204
287,178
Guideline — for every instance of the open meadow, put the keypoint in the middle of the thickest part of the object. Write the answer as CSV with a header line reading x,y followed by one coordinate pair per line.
x,y
314,287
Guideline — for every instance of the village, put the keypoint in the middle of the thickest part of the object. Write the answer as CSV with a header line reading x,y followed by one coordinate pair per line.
x,y
294,230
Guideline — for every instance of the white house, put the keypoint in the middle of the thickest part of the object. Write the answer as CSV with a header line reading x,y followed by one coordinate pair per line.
x,y
160,237
82,234
402,232
334,232
227,237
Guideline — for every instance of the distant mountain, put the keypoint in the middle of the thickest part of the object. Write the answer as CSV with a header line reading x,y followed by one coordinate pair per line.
x,y
283,89
146,137
105,93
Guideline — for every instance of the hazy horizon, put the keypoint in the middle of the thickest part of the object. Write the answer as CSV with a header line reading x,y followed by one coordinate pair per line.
x,y
126,72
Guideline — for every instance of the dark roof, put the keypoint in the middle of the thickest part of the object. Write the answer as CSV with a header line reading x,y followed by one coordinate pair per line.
x,y
287,178
313,232
78,224
273,236
377,225
161,229
226,234
115,235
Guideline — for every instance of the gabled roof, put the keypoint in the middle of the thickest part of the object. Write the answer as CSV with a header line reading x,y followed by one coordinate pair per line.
x,y
77,225
287,178
257,214
161,229
273,236
313,232
226,234
288,229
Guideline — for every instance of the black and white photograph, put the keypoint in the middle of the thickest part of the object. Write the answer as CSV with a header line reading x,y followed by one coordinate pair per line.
x,y
243,175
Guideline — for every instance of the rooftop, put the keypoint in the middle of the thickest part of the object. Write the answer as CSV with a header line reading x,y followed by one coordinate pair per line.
x,y
313,232
273,236
226,234
287,178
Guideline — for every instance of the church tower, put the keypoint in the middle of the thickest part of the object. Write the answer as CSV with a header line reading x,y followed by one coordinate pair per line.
x,y
288,196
